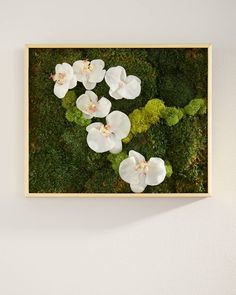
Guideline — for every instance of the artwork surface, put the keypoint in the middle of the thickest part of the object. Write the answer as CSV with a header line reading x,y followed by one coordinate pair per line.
x,y
118,121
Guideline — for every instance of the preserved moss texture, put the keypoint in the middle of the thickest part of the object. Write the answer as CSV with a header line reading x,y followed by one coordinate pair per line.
x,y
116,159
141,119
173,127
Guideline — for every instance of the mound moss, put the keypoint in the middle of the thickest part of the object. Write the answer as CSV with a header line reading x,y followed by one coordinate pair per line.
x,y
182,74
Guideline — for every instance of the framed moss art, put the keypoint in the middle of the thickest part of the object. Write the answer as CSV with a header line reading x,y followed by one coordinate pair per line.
x,y
118,120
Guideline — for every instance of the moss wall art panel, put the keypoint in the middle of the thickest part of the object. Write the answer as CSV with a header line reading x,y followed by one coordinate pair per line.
x,y
118,121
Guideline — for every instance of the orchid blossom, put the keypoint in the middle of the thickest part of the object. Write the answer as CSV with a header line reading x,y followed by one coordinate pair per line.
x,y
89,73
139,173
64,79
102,138
90,106
121,85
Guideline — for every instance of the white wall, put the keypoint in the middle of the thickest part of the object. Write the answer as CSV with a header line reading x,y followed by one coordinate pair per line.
x,y
117,246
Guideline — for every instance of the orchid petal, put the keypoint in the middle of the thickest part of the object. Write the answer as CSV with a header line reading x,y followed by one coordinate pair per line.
x,y
117,147
140,186
115,94
68,70
78,70
120,123
73,82
97,74
131,89
59,68
114,76
82,102
92,96
96,125
60,90
99,142
156,171
103,108
89,85
128,172
97,64
137,156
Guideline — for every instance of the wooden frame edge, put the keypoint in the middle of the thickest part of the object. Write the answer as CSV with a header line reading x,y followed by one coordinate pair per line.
x,y
116,195
187,45
26,122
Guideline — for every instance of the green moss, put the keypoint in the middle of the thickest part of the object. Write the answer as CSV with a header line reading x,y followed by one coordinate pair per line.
x,y
106,182
195,68
187,152
116,159
153,110
74,143
195,106
69,101
54,180
175,90
77,117
153,143
169,170
172,115
139,122
182,74
142,119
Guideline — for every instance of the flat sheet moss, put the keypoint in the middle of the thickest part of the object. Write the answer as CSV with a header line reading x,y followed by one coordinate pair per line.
x,y
60,159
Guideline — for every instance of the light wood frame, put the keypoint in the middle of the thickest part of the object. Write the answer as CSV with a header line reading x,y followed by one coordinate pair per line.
x,y
126,195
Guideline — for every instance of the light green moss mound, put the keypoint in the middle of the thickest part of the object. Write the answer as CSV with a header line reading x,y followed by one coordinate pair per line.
x,y
169,169
196,106
172,115
142,119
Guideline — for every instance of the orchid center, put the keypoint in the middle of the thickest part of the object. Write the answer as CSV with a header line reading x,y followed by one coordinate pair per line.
x,y
121,84
59,78
91,108
105,130
142,167
87,66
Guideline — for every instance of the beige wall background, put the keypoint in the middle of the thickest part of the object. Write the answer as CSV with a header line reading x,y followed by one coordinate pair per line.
x,y
117,246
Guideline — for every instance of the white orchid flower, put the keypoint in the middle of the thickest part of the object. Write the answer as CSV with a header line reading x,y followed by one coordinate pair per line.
x,y
139,173
102,138
91,107
64,79
89,73
121,85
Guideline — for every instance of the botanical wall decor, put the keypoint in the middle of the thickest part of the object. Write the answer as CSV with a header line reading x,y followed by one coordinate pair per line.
x,y
118,120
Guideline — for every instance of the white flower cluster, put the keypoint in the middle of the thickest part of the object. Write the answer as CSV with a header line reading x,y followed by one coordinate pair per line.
x,y
102,138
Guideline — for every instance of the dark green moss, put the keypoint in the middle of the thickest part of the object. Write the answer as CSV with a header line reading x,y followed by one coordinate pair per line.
x,y
152,143
189,142
106,182
182,74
